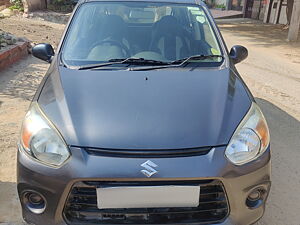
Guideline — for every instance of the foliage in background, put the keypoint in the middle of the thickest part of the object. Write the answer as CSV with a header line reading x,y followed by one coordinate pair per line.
x,y
213,4
220,6
16,4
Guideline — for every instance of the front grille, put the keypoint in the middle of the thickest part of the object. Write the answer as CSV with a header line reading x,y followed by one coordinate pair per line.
x,y
149,153
81,206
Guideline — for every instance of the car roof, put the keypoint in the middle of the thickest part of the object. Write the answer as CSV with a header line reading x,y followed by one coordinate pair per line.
x,y
195,2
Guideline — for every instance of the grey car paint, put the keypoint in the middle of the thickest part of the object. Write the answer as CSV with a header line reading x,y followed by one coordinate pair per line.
x,y
79,117
124,110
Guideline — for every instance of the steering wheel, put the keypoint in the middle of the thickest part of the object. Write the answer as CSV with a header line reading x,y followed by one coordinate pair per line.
x,y
113,42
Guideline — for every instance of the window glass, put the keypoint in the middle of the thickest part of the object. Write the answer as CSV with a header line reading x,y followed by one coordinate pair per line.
x,y
102,31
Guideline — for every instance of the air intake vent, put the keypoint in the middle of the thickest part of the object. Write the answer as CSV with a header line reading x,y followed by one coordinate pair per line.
x,y
149,153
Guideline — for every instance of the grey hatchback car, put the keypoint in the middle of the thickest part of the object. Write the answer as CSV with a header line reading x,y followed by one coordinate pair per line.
x,y
142,118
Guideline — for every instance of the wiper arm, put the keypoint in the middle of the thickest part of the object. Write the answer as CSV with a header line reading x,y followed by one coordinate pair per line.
x,y
179,62
140,61
195,57
146,61
122,61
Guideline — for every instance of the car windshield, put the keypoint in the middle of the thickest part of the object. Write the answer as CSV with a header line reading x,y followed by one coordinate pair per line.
x,y
164,32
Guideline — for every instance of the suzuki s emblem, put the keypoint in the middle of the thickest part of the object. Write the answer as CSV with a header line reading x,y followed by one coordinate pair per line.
x,y
149,170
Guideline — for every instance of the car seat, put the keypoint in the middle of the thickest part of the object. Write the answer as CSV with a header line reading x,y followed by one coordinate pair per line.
x,y
111,29
169,38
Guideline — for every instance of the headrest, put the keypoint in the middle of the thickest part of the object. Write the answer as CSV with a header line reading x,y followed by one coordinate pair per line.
x,y
167,22
113,25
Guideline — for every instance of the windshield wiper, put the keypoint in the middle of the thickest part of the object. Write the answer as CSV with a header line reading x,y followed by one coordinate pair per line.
x,y
195,57
138,61
179,62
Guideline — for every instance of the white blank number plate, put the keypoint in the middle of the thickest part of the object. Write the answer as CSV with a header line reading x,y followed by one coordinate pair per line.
x,y
148,197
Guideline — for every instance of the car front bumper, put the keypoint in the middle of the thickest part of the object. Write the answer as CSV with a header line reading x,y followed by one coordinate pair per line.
x,y
55,183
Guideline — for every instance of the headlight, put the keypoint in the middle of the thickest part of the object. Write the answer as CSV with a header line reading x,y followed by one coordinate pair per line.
x,y
250,139
41,140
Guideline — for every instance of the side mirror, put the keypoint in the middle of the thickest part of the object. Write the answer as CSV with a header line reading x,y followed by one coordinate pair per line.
x,y
238,53
43,51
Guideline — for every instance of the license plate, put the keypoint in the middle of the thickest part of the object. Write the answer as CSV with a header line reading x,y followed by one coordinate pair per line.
x,y
148,197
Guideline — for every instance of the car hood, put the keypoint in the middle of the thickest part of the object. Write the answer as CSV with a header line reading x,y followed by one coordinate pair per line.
x,y
164,109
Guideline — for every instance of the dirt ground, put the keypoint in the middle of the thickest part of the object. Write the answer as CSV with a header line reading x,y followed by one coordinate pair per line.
x,y
37,31
272,72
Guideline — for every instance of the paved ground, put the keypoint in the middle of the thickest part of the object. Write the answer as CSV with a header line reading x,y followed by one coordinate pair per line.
x,y
272,72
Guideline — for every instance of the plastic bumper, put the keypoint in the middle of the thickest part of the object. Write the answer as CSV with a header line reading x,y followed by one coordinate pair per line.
x,y
55,183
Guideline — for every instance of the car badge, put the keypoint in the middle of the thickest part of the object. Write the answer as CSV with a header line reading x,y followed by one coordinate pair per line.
x,y
149,170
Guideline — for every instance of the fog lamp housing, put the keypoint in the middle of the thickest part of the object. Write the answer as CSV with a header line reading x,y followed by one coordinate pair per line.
x,y
34,202
256,198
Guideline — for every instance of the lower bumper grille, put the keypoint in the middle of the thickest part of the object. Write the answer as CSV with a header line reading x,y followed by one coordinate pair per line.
x,y
81,206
